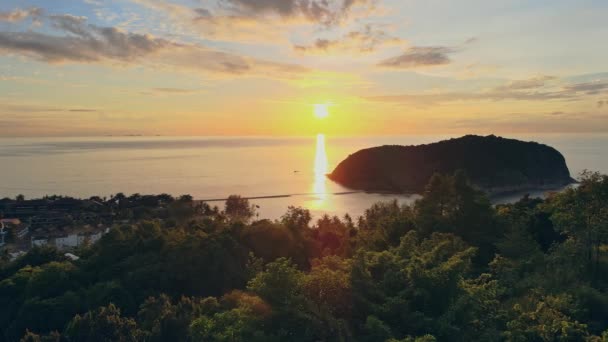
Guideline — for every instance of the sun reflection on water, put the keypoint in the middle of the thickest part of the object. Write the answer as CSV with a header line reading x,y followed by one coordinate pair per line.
x,y
321,170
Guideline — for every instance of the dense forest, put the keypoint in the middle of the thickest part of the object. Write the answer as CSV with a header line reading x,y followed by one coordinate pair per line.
x,y
451,267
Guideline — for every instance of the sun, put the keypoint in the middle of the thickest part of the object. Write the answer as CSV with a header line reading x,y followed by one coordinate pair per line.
x,y
321,110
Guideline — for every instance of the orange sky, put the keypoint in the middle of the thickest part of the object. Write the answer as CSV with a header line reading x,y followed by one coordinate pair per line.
x,y
386,67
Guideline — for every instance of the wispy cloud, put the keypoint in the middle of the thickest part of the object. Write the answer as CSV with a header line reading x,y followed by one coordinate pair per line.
x,y
550,122
162,91
425,56
87,43
420,56
20,14
589,88
532,89
259,20
12,108
174,90
366,40
83,110
325,12
530,83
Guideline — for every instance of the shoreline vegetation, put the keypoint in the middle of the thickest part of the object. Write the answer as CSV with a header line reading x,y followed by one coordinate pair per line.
x,y
451,266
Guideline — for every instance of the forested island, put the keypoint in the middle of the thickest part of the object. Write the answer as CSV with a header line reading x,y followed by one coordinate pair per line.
x,y
494,165
450,267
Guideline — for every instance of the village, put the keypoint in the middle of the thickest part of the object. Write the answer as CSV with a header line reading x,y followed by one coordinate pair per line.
x,y
61,222
68,223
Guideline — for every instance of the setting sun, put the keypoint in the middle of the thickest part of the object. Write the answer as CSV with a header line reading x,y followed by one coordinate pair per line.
x,y
321,111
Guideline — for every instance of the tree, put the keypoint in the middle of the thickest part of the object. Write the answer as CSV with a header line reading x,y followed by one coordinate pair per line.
x,y
328,286
33,337
104,325
411,286
271,240
238,209
280,284
242,318
582,213
383,225
164,321
548,320
399,274
451,205
296,218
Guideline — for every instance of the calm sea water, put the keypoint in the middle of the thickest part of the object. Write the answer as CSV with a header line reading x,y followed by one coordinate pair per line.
x,y
212,168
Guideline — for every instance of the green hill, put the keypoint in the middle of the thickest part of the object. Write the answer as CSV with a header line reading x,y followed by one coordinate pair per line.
x,y
493,164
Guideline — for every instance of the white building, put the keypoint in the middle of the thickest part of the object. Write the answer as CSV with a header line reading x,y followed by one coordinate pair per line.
x,y
71,240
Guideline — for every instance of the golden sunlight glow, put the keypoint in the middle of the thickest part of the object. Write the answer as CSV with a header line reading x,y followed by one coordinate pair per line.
x,y
321,110
321,169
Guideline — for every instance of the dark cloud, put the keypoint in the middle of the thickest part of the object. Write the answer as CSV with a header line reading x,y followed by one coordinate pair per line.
x,y
589,88
82,42
326,12
202,13
420,56
85,43
72,24
366,40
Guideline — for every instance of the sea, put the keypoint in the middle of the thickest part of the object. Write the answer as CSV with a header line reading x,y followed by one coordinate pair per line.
x,y
274,172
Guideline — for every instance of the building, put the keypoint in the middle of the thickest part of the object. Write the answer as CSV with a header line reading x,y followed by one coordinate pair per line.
x,y
69,241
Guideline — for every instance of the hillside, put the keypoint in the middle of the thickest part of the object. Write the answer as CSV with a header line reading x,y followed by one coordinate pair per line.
x,y
493,164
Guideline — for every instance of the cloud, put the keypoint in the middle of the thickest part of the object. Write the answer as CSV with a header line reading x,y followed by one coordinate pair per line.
x,y
533,89
83,110
420,56
364,41
258,20
589,88
174,90
325,12
21,108
86,43
425,56
530,83
18,15
572,122
32,109
112,45
82,42
165,91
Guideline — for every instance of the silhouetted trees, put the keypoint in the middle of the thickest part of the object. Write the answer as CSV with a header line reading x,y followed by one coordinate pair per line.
x,y
451,267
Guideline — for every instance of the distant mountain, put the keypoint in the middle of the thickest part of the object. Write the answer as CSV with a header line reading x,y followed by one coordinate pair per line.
x,y
493,164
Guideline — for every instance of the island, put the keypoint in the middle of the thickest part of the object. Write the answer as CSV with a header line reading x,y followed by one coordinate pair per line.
x,y
493,164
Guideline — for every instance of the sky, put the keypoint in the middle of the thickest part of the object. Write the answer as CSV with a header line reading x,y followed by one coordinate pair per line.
x,y
262,67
